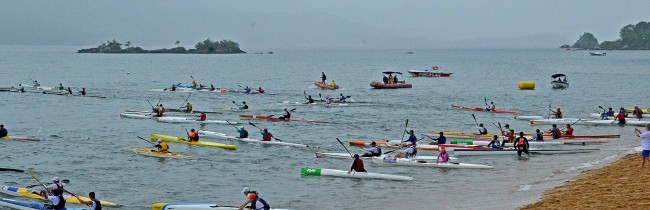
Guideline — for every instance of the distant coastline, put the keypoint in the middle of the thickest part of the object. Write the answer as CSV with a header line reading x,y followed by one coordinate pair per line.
x,y
205,47
632,37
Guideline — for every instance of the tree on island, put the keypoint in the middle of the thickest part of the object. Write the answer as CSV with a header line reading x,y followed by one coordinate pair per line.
x,y
128,44
223,46
206,47
178,43
586,41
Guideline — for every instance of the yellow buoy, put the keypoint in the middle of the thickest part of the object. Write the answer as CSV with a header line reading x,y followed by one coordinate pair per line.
x,y
526,85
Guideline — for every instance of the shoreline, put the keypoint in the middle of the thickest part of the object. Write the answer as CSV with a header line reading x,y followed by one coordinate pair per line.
x,y
619,184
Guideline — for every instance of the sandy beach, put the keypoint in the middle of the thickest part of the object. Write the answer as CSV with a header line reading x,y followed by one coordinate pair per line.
x,y
620,185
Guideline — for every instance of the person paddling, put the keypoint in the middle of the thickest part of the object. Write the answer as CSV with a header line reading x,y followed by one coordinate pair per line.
x,y
57,199
441,139
310,100
36,84
287,114
443,156
69,91
620,117
494,144
569,130
408,152
212,87
333,84
373,151
557,113
266,135
539,136
21,89
194,84
193,136
509,134
342,98
491,107
522,144
188,107
83,91
645,143
637,112
162,146
243,133
93,203
60,86
3,131
482,130
555,132
260,90
56,185
357,164
244,105
203,116
253,198
412,140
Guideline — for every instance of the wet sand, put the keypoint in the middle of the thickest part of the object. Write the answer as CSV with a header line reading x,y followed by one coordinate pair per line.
x,y
620,185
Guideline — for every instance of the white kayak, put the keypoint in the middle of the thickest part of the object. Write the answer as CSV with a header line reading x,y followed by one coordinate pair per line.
x,y
533,117
575,141
347,156
634,122
423,163
288,103
136,115
558,121
596,115
21,205
193,206
357,175
193,120
485,143
248,140
512,151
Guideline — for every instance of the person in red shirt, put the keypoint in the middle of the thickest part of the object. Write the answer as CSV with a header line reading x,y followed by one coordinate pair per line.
x,y
637,112
357,165
266,135
203,117
569,130
620,117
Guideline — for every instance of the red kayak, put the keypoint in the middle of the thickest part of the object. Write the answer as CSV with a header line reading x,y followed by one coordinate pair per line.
x,y
381,85
322,85
265,117
427,73
483,109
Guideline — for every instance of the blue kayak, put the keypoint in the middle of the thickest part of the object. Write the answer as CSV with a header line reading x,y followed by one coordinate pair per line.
x,y
20,205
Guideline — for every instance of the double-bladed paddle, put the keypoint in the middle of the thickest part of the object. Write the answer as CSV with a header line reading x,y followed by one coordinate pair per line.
x,y
251,123
346,149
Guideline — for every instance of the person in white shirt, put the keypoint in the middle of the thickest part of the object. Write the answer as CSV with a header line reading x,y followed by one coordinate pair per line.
x,y
58,202
56,184
645,143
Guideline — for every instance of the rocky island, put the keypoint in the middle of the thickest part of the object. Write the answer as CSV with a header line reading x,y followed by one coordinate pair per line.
x,y
205,47
632,37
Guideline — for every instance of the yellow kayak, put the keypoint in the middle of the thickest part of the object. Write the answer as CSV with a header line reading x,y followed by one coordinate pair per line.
x,y
20,191
148,152
177,139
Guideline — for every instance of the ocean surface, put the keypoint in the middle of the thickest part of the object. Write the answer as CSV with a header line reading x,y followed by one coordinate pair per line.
x,y
84,137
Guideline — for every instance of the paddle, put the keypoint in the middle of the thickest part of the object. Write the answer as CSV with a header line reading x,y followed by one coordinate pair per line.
x,y
346,149
64,181
39,182
320,97
475,120
151,105
404,132
233,125
11,169
304,93
145,140
79,199
251,123
188,97
549,111
235,103
188,134
486,104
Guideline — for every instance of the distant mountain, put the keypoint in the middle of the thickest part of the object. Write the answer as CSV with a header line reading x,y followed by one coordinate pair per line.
x,y
534,41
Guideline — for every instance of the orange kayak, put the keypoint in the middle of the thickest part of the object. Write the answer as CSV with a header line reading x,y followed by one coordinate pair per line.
x,y
322,85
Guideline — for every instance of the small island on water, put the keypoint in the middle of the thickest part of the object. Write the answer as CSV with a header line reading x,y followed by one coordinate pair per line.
x,y
632,37
205,47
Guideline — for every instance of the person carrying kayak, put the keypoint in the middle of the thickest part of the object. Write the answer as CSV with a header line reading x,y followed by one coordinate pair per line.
x,y
557,113
645,143
203,116
443,156
412,140
482,130
253,198
93,203
162,146
188,107
83,91
243,133
441,139
637,112
539,136
409,152
56,185
69,91
3,131
620,117
569,130
193,136
373,151
494,144
58,202
555,132
260,90
287,114
266,135
323,77
244,105
357,164
309,99
521,144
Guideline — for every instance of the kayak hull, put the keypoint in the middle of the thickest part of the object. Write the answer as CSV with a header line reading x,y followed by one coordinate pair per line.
x,y
381,85
396,143
193,121
483,109
347,156
21,191
558,121
275,119
530,117
325,86
148,152
426,73
176,139
611,122
249,140
490,151
21,205
423,163
357,175
193,206
19,138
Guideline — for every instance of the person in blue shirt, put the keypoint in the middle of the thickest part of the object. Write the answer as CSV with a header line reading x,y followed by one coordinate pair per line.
x,y
412,138
243,133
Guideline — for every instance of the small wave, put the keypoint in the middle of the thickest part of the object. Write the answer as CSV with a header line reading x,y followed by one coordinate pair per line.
x,y
525,187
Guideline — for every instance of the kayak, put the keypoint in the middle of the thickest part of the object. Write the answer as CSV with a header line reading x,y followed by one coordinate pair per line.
x,y
148,152
19,138
485,143
409,162
513,151
194,206
611,122
178,90
287,103
530,117
249,140
347,156
359,175
490,135
631,109
185,111
244,92
21,191
326,86
136,115
576,141
176,139
270,118
396,143
483,109
237,109
558,121
193,120
381,85
20,205
427,73
596,115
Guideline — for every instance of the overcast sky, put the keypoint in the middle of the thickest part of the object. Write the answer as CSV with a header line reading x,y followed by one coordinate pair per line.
x,y
302,23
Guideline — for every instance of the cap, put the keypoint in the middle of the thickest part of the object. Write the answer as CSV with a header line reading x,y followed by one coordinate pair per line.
x,y
507,125
242,127
56,179
159,140
245,190
356,155
285,108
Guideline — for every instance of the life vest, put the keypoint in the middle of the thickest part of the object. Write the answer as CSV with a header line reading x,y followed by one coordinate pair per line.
x,y
61,204
203,117
189,107
482,130
163,147
539,136
193,137
378,153
359,165
569,132
254,206
521,142
98,205
267,136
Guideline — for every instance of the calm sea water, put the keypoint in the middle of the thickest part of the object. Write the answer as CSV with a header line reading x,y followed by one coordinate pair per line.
x,y
84,137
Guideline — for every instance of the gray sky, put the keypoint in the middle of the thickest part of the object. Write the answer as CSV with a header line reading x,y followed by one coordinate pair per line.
x,y
315,24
